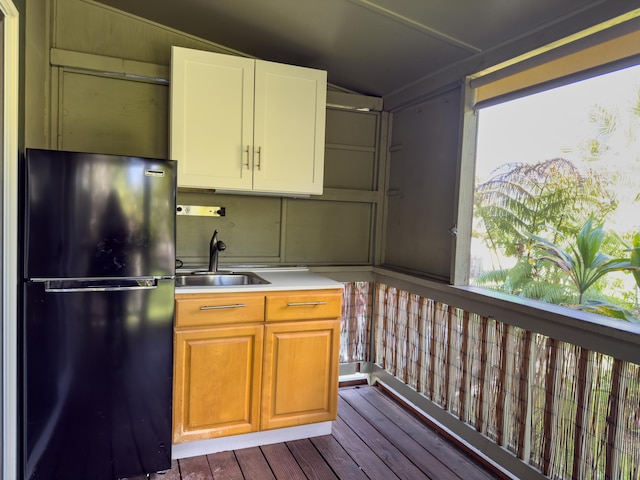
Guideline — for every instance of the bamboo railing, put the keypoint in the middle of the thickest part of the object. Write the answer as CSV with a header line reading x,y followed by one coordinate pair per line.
x,y
565,411
355,335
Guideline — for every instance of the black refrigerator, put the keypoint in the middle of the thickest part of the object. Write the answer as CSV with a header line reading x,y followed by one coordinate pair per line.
x,y
97,315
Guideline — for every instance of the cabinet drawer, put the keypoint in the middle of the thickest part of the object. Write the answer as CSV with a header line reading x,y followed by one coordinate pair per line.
x,y
304,305
198,310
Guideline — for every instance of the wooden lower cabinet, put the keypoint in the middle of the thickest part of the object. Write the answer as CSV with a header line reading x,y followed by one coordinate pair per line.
x,y
217,382
256,362
300,375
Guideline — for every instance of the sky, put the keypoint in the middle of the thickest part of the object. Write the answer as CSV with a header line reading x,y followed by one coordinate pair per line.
x,y
552,124
540,127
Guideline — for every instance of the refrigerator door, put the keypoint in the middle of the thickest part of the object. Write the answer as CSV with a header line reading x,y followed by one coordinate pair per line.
x,y
93,215
97,378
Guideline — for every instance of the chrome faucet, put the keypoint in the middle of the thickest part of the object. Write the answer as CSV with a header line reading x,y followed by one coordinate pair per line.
x,y
215,246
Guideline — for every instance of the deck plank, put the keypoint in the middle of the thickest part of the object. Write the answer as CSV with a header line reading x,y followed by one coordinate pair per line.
x,y
374,438
310,460
357,449
224,466
335,455
195,468
431,465
282,462
438,447
253,464
387,451
172,474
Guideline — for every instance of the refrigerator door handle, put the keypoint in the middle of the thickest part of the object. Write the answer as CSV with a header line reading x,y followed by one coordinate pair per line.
x,y
70,286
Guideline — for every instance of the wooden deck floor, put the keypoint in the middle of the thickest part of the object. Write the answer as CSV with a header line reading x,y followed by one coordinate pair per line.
x,y
373,439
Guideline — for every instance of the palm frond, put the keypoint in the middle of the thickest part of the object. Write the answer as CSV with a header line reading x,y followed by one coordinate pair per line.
x,y
492,277
546,292
609,310
635,257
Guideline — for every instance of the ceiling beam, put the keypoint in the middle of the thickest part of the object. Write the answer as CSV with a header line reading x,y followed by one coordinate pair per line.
x,y
455,73
420,27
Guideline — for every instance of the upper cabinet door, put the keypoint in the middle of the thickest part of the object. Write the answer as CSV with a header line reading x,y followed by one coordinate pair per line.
x,y
289,128
239,124
212,119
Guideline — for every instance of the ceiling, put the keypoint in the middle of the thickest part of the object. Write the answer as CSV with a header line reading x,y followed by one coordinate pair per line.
x,y
373,47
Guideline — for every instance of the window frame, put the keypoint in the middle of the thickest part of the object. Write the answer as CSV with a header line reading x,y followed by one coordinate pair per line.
x,y
616,45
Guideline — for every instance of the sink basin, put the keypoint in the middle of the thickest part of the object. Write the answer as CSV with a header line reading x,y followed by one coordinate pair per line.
x,y
220,279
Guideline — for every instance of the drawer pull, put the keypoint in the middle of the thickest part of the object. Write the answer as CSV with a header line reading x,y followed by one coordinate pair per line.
x,y
220,307
247,152
304,304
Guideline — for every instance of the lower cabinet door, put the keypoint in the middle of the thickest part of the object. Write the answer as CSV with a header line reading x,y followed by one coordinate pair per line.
x,y
217,382
300,376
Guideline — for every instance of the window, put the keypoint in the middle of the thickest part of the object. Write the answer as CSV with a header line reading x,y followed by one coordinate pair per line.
x,y
547,165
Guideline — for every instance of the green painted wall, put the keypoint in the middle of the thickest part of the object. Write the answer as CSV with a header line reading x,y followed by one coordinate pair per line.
x,y
100,82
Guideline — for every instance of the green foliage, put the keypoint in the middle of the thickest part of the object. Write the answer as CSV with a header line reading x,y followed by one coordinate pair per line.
x,y
635,257
521,203
546,291
611,131
583,262
524,280
609,310
521,200
510,280
606,123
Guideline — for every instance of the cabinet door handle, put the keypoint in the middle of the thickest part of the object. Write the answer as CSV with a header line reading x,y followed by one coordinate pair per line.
x,y
259,160
220,307
304,304
247,152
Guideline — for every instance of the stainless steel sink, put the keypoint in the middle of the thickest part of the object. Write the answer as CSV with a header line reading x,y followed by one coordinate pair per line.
x,y
219,279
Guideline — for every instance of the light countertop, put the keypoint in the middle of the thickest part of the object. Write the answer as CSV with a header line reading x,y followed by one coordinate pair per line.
x,y
297,278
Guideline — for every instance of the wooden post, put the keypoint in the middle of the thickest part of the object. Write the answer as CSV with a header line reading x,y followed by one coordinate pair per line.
x,y
582,394
550,407
501,386
381,322
524,398
482,376
465,380
447,359
423,320
614,421
413,341
432,348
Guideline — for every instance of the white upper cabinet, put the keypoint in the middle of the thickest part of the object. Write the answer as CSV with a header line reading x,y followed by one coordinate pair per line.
x,y
239,124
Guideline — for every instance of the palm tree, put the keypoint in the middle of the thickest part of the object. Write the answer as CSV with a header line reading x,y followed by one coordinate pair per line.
x,y
633,247
521,200
584,263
